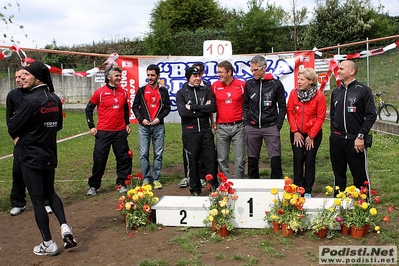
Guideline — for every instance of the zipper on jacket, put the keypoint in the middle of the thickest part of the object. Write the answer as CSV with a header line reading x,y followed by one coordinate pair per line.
x,y
196,101
260,104
346,131
303,116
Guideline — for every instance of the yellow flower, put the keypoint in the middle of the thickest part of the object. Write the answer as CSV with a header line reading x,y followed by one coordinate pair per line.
x,y
287,196
293,201
274,217
210,218
365,205
331,209
274,191
140,195
149,193
226,199
135,197
337,202
329,189
128,205
222,203
336,187
363,196
225,212
377,228
155,200
275,200
373,211
213,212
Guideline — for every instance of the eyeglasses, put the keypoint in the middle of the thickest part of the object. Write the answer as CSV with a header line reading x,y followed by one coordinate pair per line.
x,y
256,69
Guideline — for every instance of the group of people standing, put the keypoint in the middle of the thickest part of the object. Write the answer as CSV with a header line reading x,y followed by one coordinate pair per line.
x,y
247,113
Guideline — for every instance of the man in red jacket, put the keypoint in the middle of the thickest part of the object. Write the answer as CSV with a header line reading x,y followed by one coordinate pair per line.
x,y
112,129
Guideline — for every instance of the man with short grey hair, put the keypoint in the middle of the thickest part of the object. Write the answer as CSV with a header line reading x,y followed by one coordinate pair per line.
x,y
112,129
264,111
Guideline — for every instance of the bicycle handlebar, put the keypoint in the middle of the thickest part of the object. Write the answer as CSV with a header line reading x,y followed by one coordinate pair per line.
x,y
381,93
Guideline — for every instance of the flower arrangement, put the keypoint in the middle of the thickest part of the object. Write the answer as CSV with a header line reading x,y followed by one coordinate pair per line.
x,y
357,207
136,206
288,209
221,210
325,219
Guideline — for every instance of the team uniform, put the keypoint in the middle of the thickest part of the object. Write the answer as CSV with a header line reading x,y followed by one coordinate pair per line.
x,y
113,116
352,112
230,127
306,118
149,104
198,138
264,111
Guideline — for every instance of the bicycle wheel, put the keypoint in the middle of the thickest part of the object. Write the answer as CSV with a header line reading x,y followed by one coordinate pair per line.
x,y
388,113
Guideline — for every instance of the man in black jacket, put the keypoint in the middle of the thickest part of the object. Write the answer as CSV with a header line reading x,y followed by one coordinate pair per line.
x,y
264,111
18,194
151,105
352,114
36,123
195,103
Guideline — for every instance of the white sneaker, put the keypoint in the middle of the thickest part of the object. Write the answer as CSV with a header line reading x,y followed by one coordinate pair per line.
x,y
67,236
122,189
41,249
48,209
17,210
92,191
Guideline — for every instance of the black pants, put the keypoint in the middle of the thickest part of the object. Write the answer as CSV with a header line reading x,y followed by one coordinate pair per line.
x,y
40,184
18,193
343,153
18,190
196,145
102,146
307,158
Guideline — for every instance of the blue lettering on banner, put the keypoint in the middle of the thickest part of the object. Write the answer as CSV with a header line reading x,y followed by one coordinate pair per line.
x,y
173,73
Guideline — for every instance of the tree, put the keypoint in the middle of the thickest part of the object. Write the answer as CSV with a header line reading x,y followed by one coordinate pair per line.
x,y
171,17
337,22
296,18
259,30
8,20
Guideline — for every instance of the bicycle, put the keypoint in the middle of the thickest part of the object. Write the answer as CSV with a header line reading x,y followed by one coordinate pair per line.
x,y
386,111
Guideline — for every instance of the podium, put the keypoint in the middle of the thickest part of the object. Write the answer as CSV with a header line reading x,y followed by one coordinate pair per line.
x,y
254,198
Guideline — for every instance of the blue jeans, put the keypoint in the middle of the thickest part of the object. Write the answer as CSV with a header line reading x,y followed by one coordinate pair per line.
x,y
234,135
146,133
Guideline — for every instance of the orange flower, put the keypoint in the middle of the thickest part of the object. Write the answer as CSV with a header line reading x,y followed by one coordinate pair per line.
x,y
288,188
386,219
146,208
301,190
287,181
119,207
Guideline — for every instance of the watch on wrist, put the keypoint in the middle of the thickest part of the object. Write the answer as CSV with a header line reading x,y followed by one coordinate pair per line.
x,y
360,136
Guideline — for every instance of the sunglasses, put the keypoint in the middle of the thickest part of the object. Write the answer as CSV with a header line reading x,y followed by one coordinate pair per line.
x,y
256,69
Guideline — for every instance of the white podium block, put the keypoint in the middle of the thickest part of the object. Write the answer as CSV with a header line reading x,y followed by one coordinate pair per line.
x,y
254,198
182,210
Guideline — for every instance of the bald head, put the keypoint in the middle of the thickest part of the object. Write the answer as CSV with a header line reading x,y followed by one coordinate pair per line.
x,y
347,71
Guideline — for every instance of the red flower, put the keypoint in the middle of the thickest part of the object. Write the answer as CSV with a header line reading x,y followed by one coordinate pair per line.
x,y
373,192
366,183
119,207
390,209
208,186
208,177
130,176
140,176
377,199
266,212
231,190
127,182
280,211
386,219
288,188
130,153
287,181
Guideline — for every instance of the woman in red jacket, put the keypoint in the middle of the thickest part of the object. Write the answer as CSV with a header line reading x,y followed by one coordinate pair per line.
x,y
306,112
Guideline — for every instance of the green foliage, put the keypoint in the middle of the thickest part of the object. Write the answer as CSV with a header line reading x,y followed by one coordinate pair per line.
x,y
339,22
259,30
8,20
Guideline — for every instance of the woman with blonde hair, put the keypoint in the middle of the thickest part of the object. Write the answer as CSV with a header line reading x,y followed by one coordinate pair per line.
x,y
306,112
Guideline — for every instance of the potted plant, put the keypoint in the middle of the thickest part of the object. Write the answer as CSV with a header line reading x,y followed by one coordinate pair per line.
x,y
221,208
289,209
136,206
272,216
324,220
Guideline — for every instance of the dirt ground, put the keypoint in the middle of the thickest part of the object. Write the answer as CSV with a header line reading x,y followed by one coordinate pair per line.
x,y
103,240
